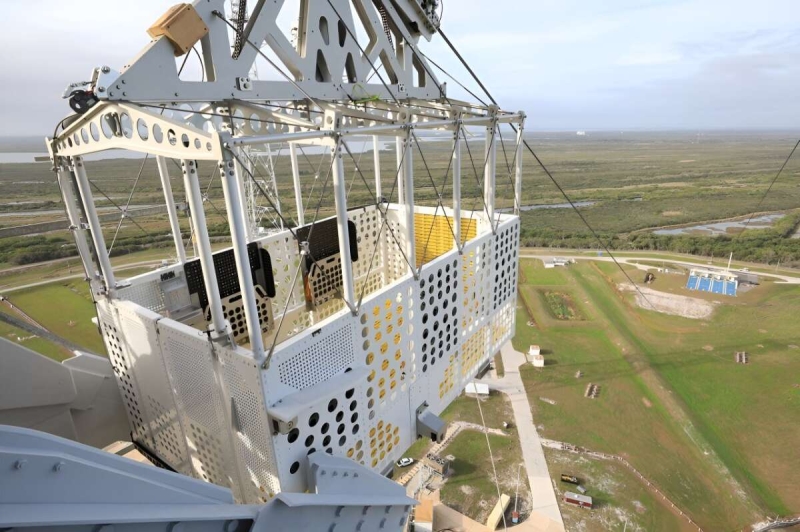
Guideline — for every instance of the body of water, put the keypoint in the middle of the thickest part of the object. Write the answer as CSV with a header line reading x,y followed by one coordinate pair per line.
x,y
723,228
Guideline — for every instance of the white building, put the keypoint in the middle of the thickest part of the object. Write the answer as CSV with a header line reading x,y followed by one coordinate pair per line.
x,y
556,261
477,388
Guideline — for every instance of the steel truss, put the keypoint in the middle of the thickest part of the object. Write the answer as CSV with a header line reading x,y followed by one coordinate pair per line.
x,y
271,365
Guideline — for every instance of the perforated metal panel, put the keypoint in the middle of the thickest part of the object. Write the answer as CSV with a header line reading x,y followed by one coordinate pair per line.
x,y
233,310
189,360
475,281
252,434
329,356
331,423
139,334
387,345
505,262
413,343
147,294
126,380
439,310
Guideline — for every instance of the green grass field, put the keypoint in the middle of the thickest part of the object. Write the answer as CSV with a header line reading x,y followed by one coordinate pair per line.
x,y
66,309
618,496
689,418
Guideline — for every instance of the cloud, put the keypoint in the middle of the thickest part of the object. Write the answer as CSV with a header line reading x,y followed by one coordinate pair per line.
x,y
649,58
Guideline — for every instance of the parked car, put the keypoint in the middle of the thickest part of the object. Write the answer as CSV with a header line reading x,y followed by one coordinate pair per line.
x,y
404,462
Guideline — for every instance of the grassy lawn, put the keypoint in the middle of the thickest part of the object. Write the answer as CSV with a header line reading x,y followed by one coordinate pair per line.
x,y
665,401
534,269
66,309
733,406
471,489
618,496
34,343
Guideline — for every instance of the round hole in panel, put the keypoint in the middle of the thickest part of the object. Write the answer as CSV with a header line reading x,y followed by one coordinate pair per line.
x,y
324,429
76,139
158,133
309,441
353,405
141,129
172,137
93,129
326,441
293,435
313,420
197,144
349,393
339,416
342,441
185,140
84,135
332,405
294,467
126,125
340,429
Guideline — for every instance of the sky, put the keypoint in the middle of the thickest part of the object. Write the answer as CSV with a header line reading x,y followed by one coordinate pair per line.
x,y
570,64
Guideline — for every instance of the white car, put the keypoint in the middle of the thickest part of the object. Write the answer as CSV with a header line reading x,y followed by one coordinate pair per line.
x,y
404,462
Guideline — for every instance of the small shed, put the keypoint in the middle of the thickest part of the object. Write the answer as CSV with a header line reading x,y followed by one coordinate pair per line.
x,y
477,388
583,501
534,350
537,361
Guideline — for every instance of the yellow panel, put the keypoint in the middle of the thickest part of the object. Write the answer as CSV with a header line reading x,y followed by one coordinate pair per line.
x,y
433,235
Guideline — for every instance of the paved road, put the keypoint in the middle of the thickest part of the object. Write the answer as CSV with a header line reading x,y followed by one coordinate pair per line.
x,y
4,290
633,260
545,515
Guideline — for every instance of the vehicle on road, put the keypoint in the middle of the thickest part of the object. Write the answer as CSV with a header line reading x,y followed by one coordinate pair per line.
x,y
404,462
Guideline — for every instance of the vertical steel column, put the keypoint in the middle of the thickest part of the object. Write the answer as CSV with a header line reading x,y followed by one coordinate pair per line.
x,y
195,198
376,158
298,190
457,186
248,211
340,195
234,204
407,178
399,148
94,223
273,178
172,212
65,183
518,169
488,172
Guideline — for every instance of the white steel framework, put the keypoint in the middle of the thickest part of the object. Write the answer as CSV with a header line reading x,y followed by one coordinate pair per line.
x,y
346,335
